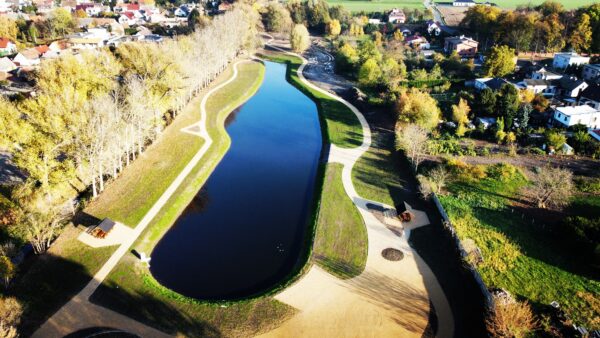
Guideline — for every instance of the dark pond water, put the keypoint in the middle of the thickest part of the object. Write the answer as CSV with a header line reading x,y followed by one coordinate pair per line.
x,y
244,231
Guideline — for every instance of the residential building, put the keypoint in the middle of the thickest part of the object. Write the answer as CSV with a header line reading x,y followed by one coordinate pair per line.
x,y
570,116
434,28
491,83
544,87
396,16
564,60
591,73
570,86
27,58
7,47
6,66
541,73
417,41
375,21
591,96
595,134
464,46
464,3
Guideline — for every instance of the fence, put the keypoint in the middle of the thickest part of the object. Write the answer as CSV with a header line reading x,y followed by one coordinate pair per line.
x,y
489,301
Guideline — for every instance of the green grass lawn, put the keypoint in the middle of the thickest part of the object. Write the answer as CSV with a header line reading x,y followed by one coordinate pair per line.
x,y
376,5
375,174
341,242
519,256
569,4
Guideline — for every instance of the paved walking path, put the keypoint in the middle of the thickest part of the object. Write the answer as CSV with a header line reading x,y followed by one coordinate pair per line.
x,y
79,313
389,299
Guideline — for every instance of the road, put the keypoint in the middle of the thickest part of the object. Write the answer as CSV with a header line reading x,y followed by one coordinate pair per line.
x,y
437,16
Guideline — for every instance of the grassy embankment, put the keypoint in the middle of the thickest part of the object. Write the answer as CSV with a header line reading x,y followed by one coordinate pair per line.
x,y
341,241
517,255
56,277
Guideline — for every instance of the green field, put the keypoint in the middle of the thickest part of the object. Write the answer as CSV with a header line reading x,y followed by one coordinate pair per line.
x,y
377,5
569,4
517,255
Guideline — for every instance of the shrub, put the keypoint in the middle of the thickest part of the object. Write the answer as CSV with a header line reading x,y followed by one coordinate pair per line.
x,y
591,185
511,319
502,171
466,171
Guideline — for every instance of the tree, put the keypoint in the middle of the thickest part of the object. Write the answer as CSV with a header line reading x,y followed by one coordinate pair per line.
x,y
500,61
581,37
299,38
317,14
10,316
540,103
368,50
80,13
523,115
508,104
334,28
369,73
551,187
7,270
60,21
42,227
378,38
486,102
412,139
510,319
460,115
417,107
346,58
277,18
553,30
555,139
398,36
8,28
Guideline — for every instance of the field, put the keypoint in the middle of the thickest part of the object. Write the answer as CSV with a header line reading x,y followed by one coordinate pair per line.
x,y
569,4
452,15
519,255
377,5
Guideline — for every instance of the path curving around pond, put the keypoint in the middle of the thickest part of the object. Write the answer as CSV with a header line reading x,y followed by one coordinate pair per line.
x,y
79,313
389,298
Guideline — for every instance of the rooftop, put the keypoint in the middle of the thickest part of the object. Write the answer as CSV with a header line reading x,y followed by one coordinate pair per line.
x,y
577,110
593,66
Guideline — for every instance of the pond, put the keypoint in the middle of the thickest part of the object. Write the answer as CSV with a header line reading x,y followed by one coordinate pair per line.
x,y
244,232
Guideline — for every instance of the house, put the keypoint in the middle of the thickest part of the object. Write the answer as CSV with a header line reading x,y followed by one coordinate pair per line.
x,y
570,116
91,9
6,66
7,47
127,18
570,86
182,11
491,83
591,96
396,16
595,134
464,3
464,46
434,28
541,73
544,87
27,58
417,41
564,60
375,21
591,73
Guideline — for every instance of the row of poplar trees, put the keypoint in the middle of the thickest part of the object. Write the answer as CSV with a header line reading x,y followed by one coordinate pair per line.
x,y
95,112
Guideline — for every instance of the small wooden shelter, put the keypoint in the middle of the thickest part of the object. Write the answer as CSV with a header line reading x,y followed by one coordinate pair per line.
x,y
104,228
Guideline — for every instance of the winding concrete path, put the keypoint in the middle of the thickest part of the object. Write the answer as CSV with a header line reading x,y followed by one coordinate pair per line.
x,y
79,313
388,299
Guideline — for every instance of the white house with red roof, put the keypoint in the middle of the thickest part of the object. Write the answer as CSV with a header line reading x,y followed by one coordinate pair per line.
x,y
7,46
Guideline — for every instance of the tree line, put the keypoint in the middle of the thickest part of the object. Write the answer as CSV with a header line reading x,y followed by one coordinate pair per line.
x,y
548,27
95,112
